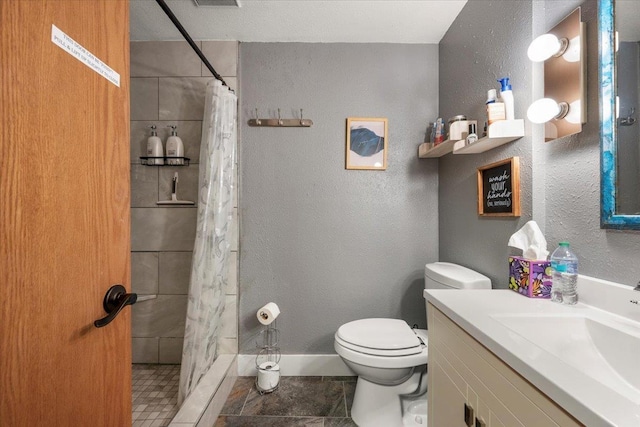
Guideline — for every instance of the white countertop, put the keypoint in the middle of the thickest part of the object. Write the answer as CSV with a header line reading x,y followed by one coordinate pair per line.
x,y
587,399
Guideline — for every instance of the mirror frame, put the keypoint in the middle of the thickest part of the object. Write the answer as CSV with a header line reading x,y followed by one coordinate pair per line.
x,y
608,130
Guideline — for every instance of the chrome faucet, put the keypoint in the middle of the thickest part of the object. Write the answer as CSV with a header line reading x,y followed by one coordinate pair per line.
x,y
629,120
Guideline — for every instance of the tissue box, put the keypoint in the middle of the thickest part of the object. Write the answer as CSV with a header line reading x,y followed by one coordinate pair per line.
x,y
530,278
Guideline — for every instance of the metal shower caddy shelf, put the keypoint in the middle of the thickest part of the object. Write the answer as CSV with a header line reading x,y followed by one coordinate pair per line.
x,y
151,161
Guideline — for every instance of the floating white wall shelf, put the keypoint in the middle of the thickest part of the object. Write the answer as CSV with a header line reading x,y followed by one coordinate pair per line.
x,y
498,133
445,147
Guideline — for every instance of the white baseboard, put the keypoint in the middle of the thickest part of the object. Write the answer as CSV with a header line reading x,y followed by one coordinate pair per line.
x,y
303,365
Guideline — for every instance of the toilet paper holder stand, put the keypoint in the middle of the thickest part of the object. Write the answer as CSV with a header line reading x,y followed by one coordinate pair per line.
x,y
268,359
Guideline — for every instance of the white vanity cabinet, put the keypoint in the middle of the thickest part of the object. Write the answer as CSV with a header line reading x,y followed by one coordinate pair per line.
x,y
463,372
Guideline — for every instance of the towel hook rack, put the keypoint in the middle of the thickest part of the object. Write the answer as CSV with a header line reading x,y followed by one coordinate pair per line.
x,y
280,122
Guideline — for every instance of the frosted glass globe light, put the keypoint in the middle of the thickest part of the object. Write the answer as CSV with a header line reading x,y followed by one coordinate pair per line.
x,y
572,53
546,46
574,115
546,109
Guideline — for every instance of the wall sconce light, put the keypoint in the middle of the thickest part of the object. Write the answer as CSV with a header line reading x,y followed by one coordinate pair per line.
x,y
562,50
546,109
550,46
546,46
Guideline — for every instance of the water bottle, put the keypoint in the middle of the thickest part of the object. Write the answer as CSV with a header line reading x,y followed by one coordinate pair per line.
x,y
564,283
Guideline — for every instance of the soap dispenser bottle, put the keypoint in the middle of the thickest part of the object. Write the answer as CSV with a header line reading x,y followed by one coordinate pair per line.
x,y
154,148
175,148
507,97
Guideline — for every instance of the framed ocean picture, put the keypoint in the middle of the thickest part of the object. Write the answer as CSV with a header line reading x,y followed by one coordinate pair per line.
x,y
366,143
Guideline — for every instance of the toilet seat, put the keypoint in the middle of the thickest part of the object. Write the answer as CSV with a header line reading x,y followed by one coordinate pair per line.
x,y
378,352
379,337
381,362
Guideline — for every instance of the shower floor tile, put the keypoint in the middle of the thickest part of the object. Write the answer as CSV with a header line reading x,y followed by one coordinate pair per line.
x,y
297,402
155,394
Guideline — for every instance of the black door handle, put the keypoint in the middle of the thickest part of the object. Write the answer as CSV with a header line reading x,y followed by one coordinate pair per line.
x,y
114,301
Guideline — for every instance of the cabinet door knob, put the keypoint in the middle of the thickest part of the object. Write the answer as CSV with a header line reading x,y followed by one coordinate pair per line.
x,y
480,423
468,415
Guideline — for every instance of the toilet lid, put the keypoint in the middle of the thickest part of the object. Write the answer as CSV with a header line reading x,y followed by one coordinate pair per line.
x,y
380,334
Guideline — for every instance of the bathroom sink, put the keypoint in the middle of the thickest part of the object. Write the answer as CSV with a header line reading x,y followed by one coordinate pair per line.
x,y
603,348
584,357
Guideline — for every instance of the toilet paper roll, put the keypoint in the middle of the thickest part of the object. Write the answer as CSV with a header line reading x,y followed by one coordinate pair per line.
x,y
268,376
267,314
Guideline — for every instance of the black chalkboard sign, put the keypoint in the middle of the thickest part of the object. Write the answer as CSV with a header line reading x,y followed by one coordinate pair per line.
x,y
499,188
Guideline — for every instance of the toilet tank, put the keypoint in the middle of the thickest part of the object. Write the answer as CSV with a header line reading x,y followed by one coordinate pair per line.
x,y
445,275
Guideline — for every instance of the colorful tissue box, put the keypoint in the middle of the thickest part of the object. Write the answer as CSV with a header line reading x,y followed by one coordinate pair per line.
x,y
530,278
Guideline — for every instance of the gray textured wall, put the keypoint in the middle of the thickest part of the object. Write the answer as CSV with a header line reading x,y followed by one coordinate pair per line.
x,y
564,173
487,41
331,245
573,178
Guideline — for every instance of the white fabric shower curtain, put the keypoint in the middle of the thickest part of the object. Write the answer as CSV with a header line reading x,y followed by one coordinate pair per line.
x,y
210,265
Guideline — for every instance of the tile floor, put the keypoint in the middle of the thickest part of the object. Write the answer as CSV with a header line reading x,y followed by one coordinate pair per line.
x,y
155,394
297,402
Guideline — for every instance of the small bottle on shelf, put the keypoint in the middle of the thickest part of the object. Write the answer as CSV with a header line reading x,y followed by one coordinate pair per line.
x,y
472,136
440,132
495,109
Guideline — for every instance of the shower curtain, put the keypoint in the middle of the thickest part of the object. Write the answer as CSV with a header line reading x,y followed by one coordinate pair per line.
x,y
210,265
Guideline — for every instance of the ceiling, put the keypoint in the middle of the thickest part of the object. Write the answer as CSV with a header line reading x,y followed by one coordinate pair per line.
x,y
311,21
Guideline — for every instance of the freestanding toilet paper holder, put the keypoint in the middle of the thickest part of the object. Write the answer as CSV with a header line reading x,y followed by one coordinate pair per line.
x,y
267,359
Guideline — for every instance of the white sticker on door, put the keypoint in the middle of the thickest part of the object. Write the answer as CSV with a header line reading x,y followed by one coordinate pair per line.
x,y
76,50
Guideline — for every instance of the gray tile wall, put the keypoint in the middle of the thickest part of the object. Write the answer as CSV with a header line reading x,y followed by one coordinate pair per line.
x,y
168,84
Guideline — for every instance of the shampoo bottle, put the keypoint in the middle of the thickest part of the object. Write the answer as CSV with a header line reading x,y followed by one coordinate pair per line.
x,y
154,148
507,97
175,148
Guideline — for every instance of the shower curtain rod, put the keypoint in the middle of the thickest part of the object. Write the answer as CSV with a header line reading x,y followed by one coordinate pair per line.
x,y
188,38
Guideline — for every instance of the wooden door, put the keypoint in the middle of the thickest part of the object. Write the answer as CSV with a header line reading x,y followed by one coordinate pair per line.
x,y
64,215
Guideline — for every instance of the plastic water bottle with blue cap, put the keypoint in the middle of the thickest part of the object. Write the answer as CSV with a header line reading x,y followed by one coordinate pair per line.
x,y
564,282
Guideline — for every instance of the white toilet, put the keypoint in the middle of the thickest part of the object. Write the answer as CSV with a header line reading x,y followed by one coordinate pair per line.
x,y
390,358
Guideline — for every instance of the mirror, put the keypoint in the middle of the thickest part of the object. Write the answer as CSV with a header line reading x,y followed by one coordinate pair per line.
x,y
619,101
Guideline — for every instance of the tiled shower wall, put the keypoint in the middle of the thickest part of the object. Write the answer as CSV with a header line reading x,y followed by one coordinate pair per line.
x,y
168,83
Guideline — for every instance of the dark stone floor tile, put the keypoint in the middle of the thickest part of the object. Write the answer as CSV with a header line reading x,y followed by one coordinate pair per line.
x,y
349,392
339,422
299,398
257,421
345,379
238,396
301,379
